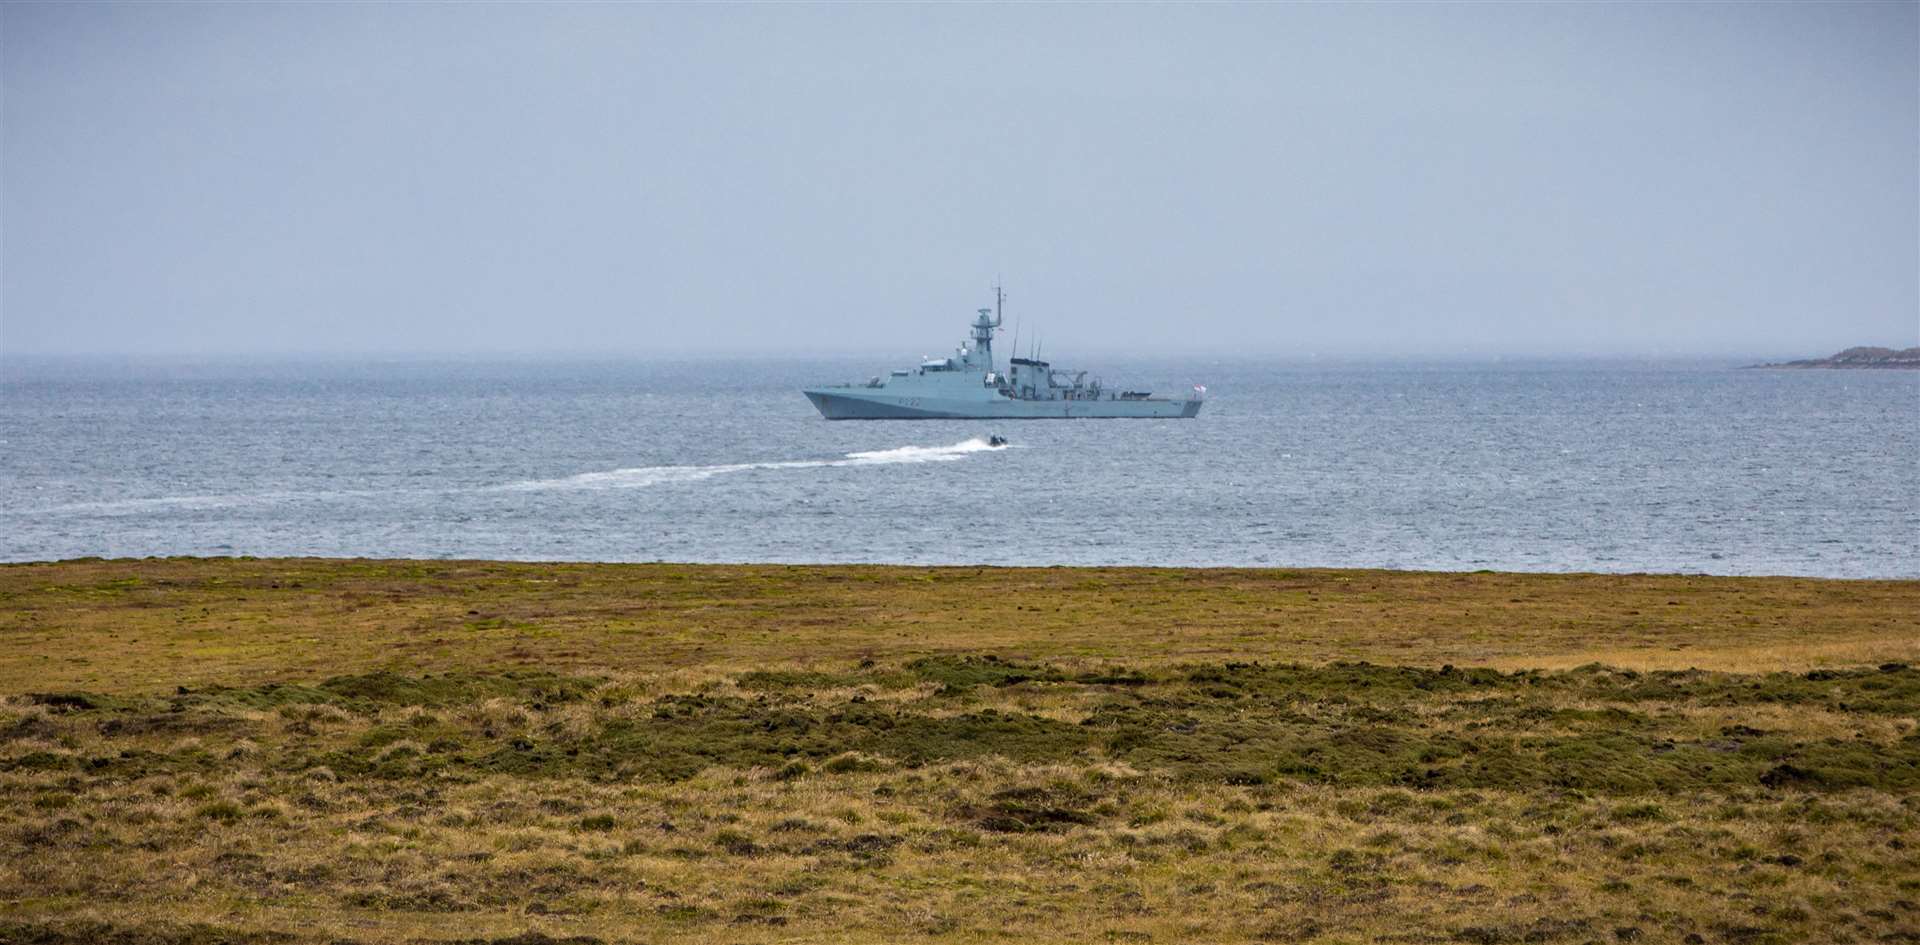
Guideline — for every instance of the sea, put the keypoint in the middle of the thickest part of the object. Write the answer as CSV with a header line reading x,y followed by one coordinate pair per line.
x,y
1606,466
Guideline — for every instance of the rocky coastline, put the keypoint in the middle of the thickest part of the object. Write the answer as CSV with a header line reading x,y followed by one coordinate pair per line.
x,y
1860,357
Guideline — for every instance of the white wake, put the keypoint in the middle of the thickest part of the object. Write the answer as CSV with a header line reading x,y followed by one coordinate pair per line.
x,y
637,477
194,502
642,476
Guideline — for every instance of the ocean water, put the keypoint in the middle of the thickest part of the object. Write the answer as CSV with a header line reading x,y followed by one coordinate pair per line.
x,y
1671,467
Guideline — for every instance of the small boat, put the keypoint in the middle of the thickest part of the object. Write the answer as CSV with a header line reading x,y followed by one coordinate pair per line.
x,y
996,440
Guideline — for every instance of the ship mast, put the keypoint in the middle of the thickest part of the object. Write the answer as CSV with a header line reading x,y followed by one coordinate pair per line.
x,y
984,327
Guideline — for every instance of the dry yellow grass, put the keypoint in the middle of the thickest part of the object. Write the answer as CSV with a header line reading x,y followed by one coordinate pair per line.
x,y
770,754
141,625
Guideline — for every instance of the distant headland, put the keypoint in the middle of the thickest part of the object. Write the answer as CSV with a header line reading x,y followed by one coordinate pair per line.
x,y
1863,357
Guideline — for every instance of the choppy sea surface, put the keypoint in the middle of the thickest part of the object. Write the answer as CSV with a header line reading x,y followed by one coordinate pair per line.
x,y
1587,466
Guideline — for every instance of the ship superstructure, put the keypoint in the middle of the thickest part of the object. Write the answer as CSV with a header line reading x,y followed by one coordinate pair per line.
x,y
968,385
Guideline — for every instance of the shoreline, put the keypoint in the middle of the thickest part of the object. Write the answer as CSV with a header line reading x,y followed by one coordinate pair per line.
x,y
947,565
1894,366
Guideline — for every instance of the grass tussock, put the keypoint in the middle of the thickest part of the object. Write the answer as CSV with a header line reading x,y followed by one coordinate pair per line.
x,y
913,792
1202,802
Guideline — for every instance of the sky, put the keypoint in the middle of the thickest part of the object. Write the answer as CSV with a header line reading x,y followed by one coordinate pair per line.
x,y
1286,180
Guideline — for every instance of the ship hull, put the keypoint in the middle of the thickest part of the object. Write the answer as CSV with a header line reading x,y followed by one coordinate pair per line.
x,y
857,404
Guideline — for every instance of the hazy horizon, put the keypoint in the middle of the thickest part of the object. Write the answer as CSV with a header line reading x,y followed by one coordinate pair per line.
x,y
865,361
1388,182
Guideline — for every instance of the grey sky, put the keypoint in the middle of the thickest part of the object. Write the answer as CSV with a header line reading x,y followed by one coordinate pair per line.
x,y
633,179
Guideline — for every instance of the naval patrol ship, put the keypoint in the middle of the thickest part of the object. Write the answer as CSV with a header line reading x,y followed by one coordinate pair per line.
x,y
969,387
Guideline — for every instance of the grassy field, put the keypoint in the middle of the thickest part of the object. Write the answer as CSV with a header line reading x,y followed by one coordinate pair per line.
x,y
392,751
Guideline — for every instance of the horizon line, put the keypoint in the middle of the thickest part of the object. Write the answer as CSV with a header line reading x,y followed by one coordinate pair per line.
x,y
1292,356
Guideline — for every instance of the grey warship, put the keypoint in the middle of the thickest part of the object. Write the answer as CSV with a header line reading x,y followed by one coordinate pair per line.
x,y
968,386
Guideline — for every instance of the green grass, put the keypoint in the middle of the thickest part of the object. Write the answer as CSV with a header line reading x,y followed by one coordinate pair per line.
x,y
1589,729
